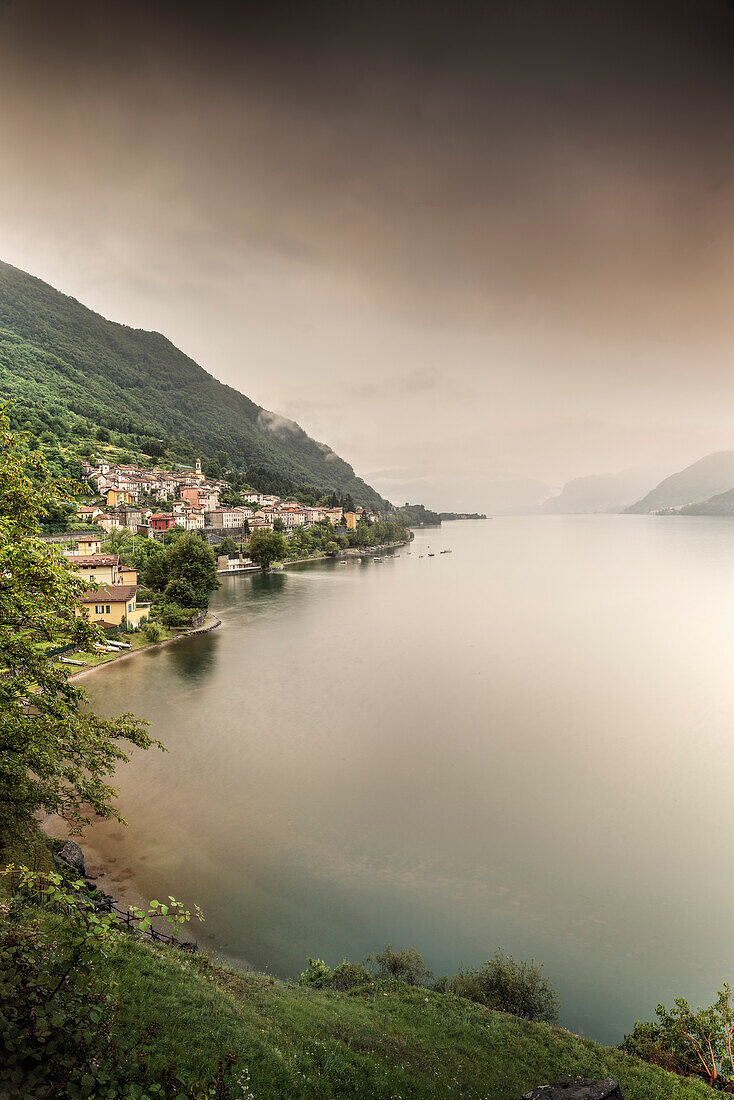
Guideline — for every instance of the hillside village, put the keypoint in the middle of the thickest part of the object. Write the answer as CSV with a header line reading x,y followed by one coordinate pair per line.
x,y
149,503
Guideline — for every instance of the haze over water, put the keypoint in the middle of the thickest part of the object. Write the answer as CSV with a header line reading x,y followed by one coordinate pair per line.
x,y
525,743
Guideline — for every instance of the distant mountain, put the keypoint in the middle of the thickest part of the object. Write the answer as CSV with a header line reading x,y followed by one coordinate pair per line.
x,y
601,492
706,478
720,505
64,364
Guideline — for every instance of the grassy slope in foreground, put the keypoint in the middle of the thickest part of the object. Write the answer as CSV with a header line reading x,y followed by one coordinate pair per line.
x,y
371,1044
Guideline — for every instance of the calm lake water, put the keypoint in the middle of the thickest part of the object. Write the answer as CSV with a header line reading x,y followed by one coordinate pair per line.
x,y
525,743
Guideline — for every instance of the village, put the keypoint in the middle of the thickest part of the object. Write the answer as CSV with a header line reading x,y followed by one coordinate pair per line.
x,y
148,503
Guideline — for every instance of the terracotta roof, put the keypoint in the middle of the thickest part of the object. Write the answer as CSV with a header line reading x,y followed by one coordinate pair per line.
x,y
94,559
107,593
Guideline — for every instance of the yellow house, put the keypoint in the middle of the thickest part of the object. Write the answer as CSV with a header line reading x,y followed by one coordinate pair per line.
x,y
99,568
116,497
114,605
350,519
86,545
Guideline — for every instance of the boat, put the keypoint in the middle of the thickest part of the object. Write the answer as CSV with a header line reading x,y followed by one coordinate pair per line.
x,y
445,551
431,555
377,560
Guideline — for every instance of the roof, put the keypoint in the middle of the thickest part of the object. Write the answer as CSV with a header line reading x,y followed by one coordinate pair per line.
x,y
108,593
94,559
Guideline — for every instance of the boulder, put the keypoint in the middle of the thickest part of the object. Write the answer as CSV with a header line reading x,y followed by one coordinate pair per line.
x,y
577,1088
72,854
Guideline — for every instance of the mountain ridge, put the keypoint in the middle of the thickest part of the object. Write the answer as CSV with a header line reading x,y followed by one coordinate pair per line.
x,y
59,355
709,476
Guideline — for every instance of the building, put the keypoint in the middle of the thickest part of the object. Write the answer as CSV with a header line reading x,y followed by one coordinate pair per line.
x,y
115,497
334,516
86,545
191,519
350,519
161,521
225,517
292,517
114,605
97,568
87,514
233,563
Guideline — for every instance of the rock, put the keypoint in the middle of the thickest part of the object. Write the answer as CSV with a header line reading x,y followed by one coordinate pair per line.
x,y
577,1088
72,854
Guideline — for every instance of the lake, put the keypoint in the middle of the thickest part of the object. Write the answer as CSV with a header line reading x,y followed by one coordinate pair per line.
x,y
526,743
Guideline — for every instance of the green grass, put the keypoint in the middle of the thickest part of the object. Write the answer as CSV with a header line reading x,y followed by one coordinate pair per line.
x,y
381,1041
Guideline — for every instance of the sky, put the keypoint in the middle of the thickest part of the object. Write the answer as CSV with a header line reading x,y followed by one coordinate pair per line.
x,y
477,248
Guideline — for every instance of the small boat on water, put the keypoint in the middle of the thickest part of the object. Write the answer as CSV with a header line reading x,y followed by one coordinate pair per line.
x,y
431,555
445,551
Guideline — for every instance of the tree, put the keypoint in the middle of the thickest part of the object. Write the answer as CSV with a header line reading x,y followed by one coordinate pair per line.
x,y
265,547
278,525
55,753
688,1040
190,561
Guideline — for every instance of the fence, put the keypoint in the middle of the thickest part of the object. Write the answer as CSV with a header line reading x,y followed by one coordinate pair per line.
x,y
129,921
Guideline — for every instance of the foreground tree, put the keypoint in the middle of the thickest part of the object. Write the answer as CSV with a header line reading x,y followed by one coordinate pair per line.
x,y
55,753
265,547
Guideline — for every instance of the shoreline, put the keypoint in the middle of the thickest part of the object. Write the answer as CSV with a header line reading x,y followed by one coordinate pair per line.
x,y
120,882
203,629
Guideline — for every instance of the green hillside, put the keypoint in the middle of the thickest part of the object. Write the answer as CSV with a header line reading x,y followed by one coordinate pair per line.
x,y
82,372
199,1029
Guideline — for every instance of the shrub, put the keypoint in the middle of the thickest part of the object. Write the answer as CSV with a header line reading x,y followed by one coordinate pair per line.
x,y
174,615
317,974
646,1041
153,632
406,965
348,975
519,988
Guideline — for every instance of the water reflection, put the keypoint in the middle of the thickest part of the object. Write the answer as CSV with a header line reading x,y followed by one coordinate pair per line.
x,y
508,745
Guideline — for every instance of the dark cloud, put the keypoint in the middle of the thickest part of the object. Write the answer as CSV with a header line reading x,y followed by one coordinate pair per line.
x,y
498,222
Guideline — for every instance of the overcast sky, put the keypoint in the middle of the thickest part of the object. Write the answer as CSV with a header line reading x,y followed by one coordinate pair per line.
x,y
458,242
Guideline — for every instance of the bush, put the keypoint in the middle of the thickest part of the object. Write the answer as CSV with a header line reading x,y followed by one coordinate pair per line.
x,y
348,975
317,974
519,988
172,614
406,965
153,632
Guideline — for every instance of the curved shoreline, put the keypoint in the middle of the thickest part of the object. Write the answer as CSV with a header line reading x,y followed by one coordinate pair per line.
x,y
203,629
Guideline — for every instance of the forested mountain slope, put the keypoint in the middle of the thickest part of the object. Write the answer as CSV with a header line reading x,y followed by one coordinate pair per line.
x,y
59,356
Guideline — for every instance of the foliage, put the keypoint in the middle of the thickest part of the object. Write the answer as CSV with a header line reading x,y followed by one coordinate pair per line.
x,y
693,1040
54,752
153,632
76,375
406,965
265,547
520,988
185,570
417,515
172,614
57,1024
317,974
347,975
